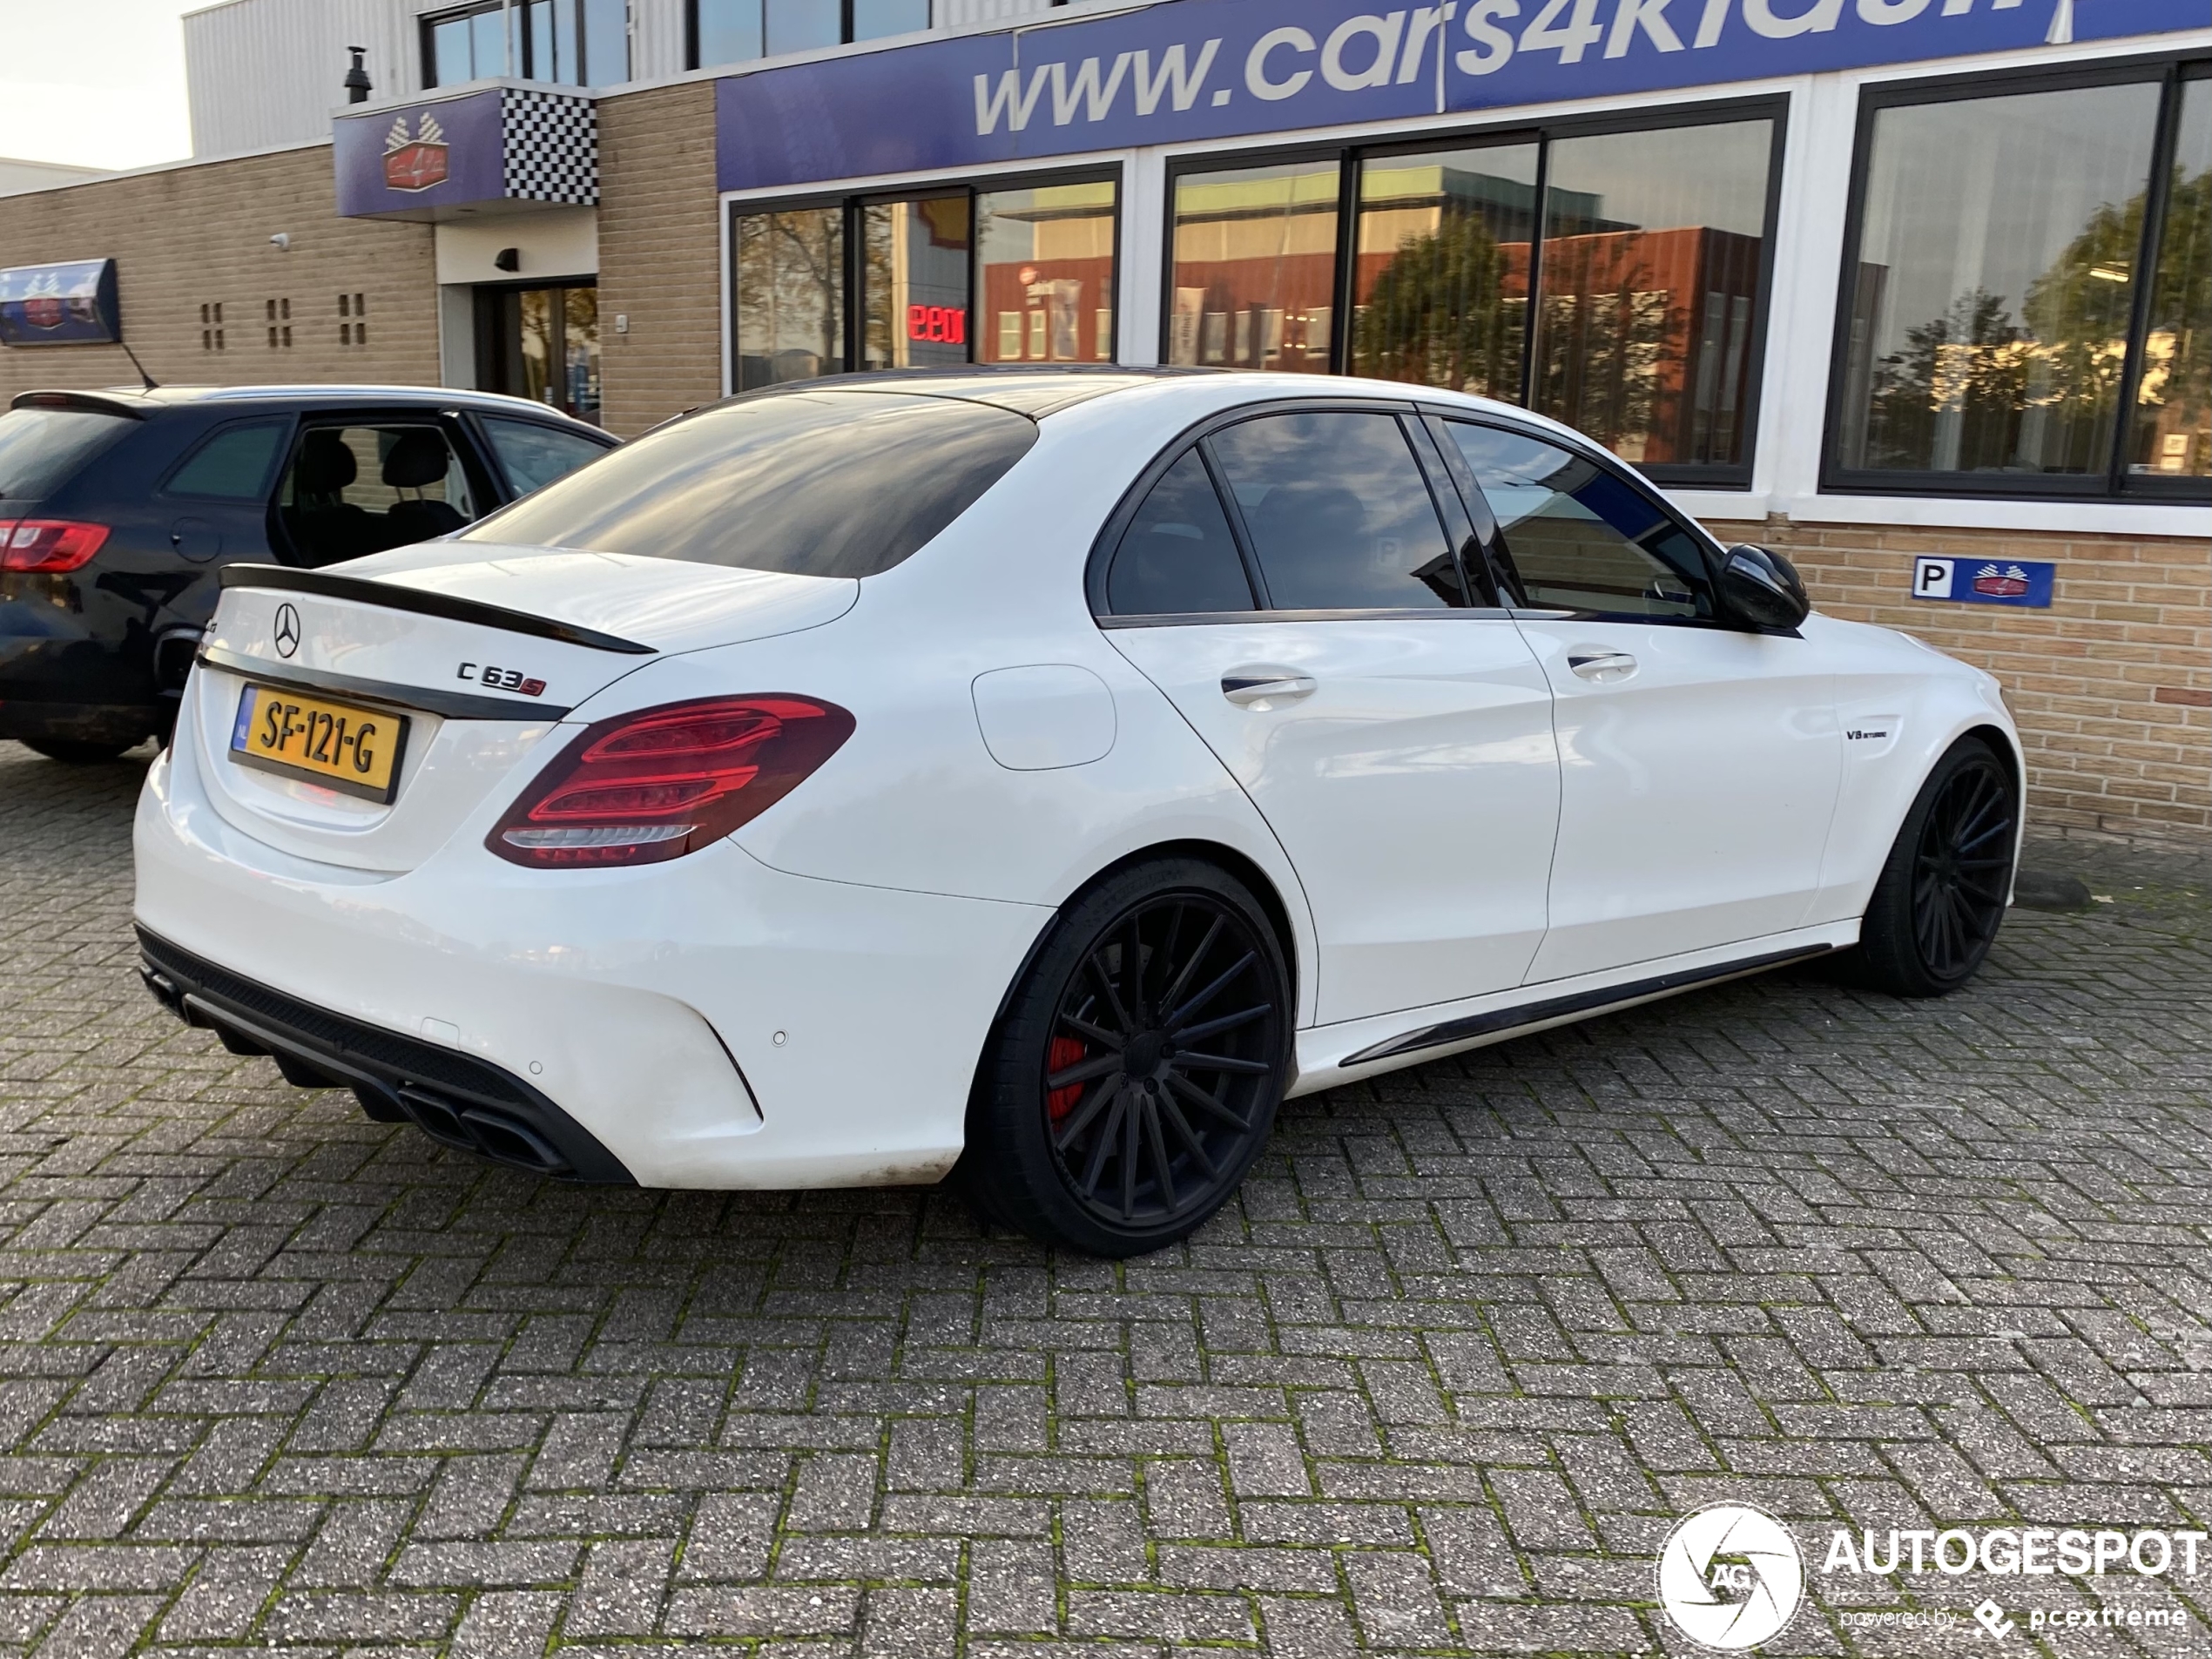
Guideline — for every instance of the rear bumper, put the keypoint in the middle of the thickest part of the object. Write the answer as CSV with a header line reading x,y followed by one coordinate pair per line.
x,y
452,1097
708,1023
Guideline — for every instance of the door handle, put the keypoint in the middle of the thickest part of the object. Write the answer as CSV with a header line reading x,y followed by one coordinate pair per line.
x,y
1604,667
1265,687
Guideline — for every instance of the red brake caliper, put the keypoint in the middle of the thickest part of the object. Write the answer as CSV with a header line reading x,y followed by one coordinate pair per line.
x,y
1064,1052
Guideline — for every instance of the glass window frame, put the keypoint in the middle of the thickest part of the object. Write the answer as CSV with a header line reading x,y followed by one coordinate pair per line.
x,y
1497,546
521,47
1469,542
853,275
272,471
2169,73
477,424
1350,154
845,8
488,298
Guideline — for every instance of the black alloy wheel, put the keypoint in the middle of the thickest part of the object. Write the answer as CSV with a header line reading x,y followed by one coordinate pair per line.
x,y
1136,1077
1962,869
1942,893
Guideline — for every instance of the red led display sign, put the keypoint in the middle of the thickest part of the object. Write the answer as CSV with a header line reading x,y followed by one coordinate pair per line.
x,y
945,324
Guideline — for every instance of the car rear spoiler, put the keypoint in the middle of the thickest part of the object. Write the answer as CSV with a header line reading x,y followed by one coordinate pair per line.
x,y
368,590
123,403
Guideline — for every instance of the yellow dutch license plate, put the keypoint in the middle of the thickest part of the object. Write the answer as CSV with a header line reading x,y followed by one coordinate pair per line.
x,y
339,745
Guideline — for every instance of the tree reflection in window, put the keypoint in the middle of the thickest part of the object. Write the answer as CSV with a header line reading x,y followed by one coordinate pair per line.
x,y
1441,273
2173,427
789,301
1995,282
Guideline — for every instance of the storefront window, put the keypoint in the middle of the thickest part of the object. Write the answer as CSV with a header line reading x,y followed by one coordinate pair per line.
x,y
1993,284
2173,416
789,270
575,42
914,282
1045,274
1018,275
1646,250
1650,280
733,31
1440,282
1255,266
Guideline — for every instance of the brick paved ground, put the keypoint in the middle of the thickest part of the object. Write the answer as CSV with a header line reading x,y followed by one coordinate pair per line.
x,y
274,1377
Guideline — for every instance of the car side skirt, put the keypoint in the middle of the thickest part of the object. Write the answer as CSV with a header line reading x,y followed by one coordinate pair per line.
x,y
1331,1055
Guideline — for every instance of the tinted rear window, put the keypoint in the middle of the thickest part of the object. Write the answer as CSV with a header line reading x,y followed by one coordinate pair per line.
x,y
40,448
811,483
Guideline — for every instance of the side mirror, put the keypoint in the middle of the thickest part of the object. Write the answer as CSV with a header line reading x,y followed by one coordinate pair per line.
x,y
1763,589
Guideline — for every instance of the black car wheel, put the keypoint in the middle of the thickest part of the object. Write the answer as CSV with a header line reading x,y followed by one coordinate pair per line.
x,y
1134,1077
1942,893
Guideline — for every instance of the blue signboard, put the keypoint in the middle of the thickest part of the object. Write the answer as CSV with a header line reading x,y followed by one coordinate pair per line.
x,y
428,156
1208,69
1985,582
60,305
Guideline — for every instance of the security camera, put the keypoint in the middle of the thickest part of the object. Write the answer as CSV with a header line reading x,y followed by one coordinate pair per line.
x,y
281,242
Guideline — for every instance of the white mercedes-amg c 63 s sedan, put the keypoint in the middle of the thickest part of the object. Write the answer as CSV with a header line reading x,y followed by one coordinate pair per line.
x,y
1044,773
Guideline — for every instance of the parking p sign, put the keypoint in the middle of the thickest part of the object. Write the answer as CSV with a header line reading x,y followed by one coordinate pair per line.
x,y
1985,582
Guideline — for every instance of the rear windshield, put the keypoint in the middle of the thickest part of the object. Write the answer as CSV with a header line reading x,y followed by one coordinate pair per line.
x,y
811,483
40,448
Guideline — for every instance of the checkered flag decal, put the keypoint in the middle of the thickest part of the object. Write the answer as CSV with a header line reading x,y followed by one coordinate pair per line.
x,y
552,147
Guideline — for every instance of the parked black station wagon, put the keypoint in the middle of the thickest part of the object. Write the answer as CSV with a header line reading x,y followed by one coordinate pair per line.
x,y
117,509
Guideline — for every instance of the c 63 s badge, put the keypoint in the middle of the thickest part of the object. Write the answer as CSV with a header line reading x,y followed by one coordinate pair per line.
x,y
501,679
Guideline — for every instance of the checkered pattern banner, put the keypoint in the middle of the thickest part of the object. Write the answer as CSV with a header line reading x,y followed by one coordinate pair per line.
x,y
552,147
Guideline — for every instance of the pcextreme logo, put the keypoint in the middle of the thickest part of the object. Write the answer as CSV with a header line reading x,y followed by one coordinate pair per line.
x,y
1730,1576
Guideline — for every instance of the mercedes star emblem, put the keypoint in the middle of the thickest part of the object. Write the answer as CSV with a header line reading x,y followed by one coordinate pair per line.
x,y
287,630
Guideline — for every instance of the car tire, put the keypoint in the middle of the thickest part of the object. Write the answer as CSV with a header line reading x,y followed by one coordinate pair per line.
x,y
1095,1123
1943,890
72,753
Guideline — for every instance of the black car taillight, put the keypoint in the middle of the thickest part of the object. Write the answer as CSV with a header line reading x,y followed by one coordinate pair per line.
x,y
666,781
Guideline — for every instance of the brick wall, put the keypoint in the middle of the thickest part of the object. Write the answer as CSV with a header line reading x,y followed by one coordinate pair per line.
x,y
659,254
2111,686
192,236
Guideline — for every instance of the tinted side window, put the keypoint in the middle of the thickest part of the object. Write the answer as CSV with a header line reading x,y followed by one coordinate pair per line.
x,y
818,483
233,465
1178,556
535,456
1581,536
1339,515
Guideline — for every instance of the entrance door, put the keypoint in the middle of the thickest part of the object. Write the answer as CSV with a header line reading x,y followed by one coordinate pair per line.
x,y
542,344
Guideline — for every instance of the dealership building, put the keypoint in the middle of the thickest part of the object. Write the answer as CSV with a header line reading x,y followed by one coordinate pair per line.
x,y
1919,292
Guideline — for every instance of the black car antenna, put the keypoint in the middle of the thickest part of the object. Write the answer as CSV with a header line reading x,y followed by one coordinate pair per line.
x,y
152,385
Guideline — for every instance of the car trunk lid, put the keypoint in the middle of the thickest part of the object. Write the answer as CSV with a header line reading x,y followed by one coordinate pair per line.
x,y
479,650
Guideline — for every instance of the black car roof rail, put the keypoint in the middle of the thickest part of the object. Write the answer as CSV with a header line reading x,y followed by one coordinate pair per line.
x,y
369,591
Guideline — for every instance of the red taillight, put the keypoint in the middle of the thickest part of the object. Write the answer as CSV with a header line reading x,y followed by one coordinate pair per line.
x,y
658,784
47,544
